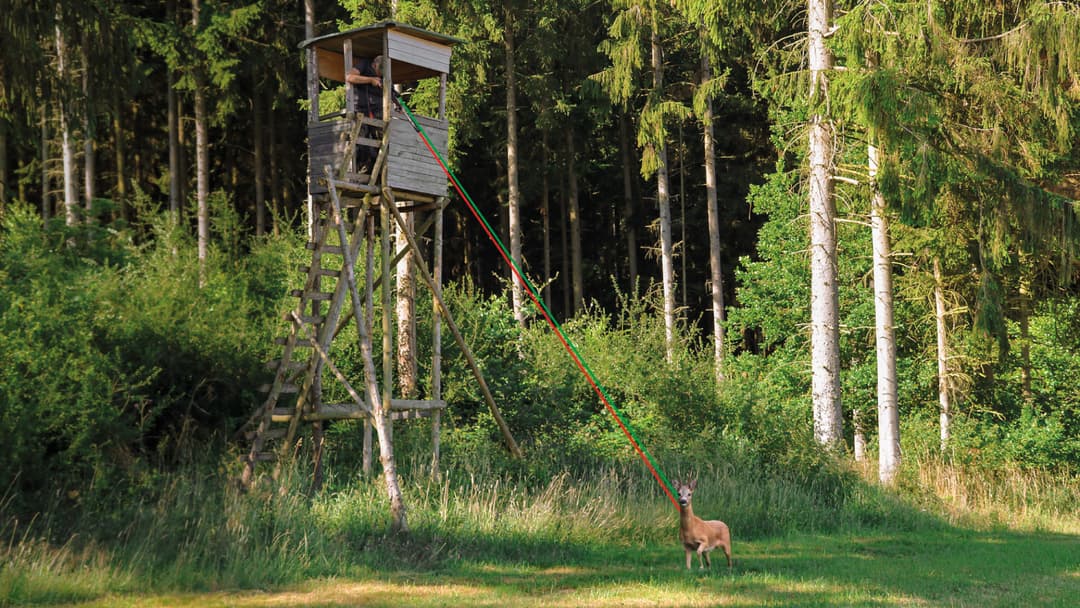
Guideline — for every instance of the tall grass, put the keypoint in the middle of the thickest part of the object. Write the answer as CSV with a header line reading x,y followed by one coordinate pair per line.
x,y
201,534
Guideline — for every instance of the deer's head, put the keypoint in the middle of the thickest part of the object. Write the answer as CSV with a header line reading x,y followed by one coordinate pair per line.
x,y
685,491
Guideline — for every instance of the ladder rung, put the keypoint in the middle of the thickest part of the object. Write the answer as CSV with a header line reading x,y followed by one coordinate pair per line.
x,y
282,341
285,388
325,272
275,364
282,414
268,434
331,249
311,295
307,319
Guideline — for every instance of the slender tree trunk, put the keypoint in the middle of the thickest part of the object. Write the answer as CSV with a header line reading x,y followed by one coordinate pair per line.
x,y
716,283
89,165
859,429
1025,332
824,295
888,414
313,97
67,141
174,131
119,150
944,403
276,198
545,214
683,282
575,226
260,164
202,158
667,260
629,208
46,195
4,169
514,202
564,243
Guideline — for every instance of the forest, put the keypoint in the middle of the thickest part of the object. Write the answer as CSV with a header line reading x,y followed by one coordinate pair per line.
x,y
822,256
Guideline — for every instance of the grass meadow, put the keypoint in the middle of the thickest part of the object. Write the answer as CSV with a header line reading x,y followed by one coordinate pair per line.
x,y
604,538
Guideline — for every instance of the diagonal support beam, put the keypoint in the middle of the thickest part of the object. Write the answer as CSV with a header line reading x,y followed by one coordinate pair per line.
x,y
422,268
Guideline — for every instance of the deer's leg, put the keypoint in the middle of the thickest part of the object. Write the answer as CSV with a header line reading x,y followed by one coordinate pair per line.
x,y
688,559
708,560
727,552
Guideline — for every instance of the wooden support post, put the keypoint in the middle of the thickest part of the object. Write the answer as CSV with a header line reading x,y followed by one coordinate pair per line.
x,y
380,407
436,336
422,268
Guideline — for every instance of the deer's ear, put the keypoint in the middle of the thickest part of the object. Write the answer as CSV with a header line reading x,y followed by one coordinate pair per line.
x,y
675,483
693,485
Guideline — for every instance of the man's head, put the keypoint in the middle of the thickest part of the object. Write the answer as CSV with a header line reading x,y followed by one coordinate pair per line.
x,y
376,64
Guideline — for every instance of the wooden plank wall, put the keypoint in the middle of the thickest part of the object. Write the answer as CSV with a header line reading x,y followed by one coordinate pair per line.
x,y
417,51
325,147
410,166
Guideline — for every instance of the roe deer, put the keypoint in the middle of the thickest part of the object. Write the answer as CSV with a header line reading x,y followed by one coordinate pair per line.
x,y
697,534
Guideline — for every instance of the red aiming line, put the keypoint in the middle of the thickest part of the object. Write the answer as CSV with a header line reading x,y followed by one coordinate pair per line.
x,y
550,321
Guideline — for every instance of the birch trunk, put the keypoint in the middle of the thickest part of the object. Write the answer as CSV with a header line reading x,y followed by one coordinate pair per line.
x,y
824,296
663,200
406,314
202,159
716,283
514,202
885,339
66,139
944,404
313,97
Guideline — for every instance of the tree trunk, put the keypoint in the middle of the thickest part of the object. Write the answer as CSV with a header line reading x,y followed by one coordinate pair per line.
x,y
384,423
629,208
46,196
824,295
89,164
118,155
174,132
260,164
313,97
202,159
564,242
67,141
945,406
514,202
667,261
885,339
575,227
545,214
4,169
716,283
1025,332
859,431
276,197
406,315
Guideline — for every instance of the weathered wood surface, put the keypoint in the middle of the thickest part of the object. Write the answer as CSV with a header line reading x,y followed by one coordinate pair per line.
x,y
417,51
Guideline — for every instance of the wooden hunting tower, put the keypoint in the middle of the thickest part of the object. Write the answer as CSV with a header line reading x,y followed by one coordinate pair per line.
x,y
353,206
